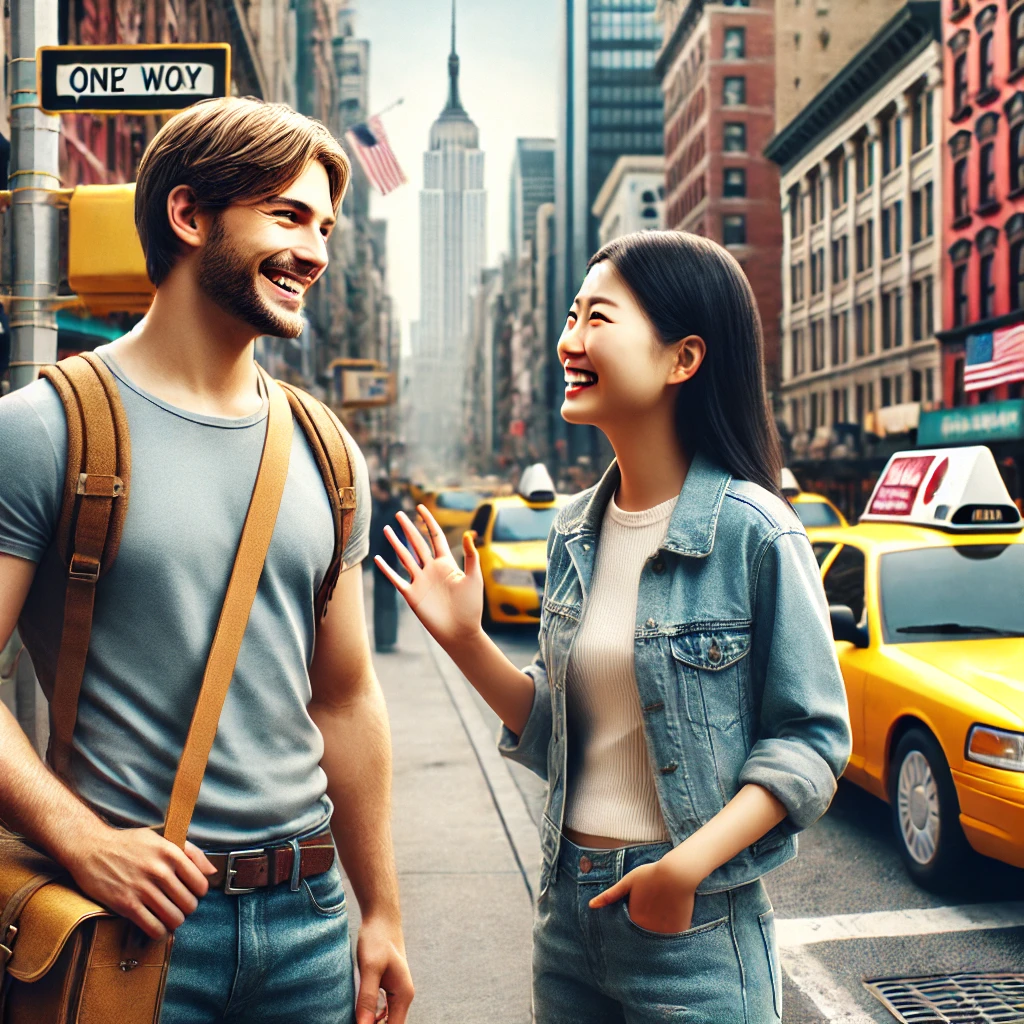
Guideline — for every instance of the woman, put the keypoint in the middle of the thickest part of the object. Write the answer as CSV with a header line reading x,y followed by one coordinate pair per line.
x,y
686,706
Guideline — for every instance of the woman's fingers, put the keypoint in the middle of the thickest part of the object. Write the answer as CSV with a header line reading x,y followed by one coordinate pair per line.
x,y
612,894
400,585
410,563
438,541
419,545
470,554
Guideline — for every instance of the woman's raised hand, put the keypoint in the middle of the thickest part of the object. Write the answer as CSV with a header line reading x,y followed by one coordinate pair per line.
x,y
446,599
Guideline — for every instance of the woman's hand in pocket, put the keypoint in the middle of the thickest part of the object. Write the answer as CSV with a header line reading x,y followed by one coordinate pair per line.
x,y
660,897
446,599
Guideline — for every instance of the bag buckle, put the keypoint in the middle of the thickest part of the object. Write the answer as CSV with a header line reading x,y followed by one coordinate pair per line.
x,y
83,568
230,871
6,950
99,485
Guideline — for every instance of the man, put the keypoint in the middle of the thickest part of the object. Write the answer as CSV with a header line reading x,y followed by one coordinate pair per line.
x,y
385,598
235,201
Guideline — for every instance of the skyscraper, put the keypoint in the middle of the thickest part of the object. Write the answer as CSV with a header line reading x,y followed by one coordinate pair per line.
x,y
453,235
533,183
610,104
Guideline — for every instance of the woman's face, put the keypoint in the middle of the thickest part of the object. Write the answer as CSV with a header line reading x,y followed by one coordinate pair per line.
x,y
616,367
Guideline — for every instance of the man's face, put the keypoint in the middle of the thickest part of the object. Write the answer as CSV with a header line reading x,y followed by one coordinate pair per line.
x,y
259,260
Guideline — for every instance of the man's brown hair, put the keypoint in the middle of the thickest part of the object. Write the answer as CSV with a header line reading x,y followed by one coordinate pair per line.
x,y
227,151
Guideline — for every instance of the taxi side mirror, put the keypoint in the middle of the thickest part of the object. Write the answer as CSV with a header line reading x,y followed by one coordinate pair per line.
x,y
844,625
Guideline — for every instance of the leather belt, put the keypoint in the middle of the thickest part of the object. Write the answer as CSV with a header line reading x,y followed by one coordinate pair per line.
x,y
242,871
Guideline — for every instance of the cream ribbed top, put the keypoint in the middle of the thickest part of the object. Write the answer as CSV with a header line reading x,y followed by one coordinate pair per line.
x,y
611,785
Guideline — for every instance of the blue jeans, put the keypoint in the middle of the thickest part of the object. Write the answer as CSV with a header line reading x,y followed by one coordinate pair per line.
x,y
599,967
272,956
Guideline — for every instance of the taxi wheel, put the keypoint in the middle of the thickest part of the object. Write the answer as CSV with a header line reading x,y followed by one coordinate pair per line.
x,y
926,812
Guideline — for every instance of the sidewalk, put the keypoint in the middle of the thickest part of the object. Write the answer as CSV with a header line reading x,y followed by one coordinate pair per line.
x,y
465,867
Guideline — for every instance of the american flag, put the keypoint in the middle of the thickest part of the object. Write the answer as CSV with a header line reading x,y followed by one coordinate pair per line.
x,y
370,142
996,358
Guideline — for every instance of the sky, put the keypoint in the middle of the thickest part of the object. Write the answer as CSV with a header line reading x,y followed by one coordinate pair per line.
x,y
508,86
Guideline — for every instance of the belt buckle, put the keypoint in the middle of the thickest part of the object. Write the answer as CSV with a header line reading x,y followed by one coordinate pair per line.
x,y
230,871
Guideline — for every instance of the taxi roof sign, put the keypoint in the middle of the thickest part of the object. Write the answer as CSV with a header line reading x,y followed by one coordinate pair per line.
x,y
956,489
536,484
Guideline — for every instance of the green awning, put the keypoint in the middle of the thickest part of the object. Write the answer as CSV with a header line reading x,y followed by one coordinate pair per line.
x,y
87,325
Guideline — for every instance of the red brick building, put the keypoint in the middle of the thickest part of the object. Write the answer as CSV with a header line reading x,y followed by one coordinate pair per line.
x,y
717,70
983,207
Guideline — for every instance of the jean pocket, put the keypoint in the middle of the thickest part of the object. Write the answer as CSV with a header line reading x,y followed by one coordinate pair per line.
x,y
767,921
701,929
326,892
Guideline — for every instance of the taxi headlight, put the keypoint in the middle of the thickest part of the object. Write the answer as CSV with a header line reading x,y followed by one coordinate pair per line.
x,y
996,748
514,578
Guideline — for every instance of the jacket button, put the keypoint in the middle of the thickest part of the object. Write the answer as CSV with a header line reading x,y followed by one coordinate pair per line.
x,y
669,768
714,653
658,566
586,864
651,624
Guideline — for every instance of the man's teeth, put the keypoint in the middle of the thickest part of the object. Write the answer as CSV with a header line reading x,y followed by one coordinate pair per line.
x,y
286,284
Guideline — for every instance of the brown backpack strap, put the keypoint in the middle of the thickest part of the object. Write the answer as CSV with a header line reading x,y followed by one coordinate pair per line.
x,y
234,617
92,519
328,440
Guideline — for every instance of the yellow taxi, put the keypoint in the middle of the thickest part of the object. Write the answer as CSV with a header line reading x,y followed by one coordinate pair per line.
x,y
815,511
926,597
511,535
453,508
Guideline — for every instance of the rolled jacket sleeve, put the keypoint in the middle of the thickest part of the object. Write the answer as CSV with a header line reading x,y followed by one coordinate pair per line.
x,y
804,736
531,748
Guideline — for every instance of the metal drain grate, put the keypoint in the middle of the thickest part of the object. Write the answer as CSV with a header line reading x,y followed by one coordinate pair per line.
x,y
952,998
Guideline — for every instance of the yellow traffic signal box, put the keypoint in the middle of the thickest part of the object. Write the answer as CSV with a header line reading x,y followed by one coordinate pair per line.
x,y
106,267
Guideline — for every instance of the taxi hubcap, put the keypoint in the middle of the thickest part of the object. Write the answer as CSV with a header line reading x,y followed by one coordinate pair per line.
x,y
918,807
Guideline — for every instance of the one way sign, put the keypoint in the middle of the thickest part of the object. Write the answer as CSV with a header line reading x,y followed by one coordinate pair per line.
x,y
144,79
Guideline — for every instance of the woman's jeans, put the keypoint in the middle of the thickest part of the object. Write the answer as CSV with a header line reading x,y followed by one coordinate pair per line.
x,y
598,967
272,955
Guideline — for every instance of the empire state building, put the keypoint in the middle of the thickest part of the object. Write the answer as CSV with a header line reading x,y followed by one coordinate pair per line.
x,y
453,238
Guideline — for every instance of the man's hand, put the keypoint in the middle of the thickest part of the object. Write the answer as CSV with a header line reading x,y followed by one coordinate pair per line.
x,y
382,965
139,875
660,897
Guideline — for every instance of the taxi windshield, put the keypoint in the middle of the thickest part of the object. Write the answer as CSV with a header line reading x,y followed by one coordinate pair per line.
x,y
961,592
460,501
522,524
816,513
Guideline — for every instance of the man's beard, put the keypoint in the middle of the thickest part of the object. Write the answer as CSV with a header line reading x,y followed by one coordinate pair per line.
x,y
229,278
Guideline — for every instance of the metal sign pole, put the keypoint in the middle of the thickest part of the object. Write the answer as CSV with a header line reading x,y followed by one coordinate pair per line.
x,y
34,173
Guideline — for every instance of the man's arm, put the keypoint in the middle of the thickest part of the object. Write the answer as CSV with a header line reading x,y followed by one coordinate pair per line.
x,y
348,708
134,872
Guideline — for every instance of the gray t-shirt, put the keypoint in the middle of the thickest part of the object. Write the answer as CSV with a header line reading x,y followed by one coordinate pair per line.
x,y
156,611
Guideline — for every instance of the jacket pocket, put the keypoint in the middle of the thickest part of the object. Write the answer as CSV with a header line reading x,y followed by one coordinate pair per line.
x,y
713,673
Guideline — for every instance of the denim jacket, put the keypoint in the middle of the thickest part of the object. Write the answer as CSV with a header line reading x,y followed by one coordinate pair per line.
x,y
735,667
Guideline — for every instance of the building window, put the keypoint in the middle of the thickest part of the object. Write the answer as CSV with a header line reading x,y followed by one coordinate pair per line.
x,y
892,229
839,341
960,85
735,44
986,286
929,384
1017,39
960,314
817,345
922,319
796,281
864,328
796,212
986,176
920,120
1017,154
865,245
734,91
840,265
961,199
734,182
892,319
840,191
735,137
817,271
734,229
817,193
1017,274
886,392
885,135
797,353
921,213
986,68
860,163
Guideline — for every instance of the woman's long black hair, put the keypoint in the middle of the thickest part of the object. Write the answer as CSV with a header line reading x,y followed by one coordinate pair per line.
x,y
687,284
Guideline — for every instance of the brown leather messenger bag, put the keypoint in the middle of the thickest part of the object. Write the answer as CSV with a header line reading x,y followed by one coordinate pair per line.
x,y
63,958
